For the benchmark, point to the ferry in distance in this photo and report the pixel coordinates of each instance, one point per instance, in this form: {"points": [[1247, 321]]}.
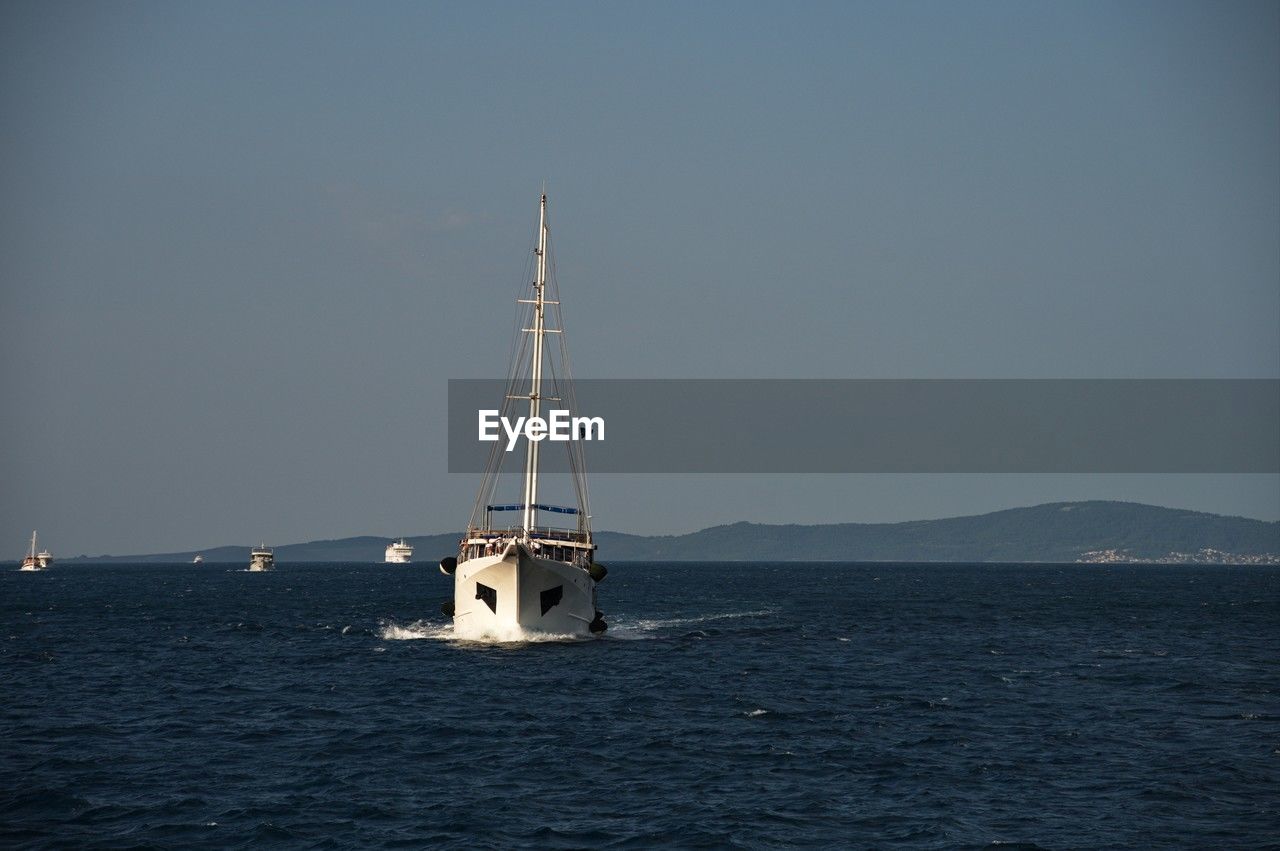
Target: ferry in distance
{"points": [[399, 551], [261, 558]]}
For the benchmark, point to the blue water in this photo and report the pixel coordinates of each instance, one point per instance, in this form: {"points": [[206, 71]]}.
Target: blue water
{"points": [[752, 706]]}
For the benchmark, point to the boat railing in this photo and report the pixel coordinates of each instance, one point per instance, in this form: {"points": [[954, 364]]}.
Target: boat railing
{"points": [[551, 533]]}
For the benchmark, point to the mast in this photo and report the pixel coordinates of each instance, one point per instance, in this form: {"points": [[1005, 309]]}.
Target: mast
{"points": [[33, 543], [535, 386]]}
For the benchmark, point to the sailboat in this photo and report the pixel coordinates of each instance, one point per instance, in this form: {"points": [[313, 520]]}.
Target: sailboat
{"points": [[36, 560], [515, 581]]}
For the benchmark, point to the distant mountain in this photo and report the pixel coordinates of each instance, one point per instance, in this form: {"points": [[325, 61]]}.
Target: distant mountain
{"points": [[1056, 532]]}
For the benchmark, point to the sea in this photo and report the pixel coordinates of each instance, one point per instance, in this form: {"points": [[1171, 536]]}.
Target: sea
{"points": [[728, 706]]}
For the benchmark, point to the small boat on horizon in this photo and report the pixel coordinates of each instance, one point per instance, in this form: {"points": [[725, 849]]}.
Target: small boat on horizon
{"points": [[399, 551], [261, 558], [199, 559], [36, 560]]}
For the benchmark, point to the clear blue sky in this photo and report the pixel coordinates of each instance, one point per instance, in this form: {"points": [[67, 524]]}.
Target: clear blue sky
{"points": [[244, 245]]}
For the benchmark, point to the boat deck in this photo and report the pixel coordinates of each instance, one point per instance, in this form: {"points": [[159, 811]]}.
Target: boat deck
{"points": [[571, 546]]}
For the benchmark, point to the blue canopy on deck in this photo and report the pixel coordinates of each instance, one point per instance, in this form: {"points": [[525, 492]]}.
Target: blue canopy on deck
{"points": [[556, 508]]}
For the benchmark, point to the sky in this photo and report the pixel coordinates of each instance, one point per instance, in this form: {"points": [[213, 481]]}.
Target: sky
{"points": [[243, 246]]}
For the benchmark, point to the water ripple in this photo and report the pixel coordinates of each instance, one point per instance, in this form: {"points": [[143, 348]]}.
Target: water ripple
{"points": [[735, 706]]}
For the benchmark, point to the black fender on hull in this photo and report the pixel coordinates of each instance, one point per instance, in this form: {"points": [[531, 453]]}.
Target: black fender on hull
{"points": [[448, 565], [598, 571], [598, 625], [446, 608]]}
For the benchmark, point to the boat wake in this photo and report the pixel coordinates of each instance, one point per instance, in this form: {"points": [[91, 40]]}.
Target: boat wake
{"points": [[392, 631], [621, 629], [654, 626]]}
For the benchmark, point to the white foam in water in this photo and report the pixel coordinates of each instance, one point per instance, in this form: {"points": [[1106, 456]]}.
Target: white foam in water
{"points": [[445, 632], [640, 629], [646, 627], [418, 629]]}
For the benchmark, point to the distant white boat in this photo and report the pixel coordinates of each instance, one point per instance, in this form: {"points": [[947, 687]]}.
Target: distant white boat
{"points": [[36, 560], [261, 558], [199, 559], [399, 552]]}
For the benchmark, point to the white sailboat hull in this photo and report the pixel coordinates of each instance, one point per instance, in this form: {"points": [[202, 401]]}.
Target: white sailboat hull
{"points": [[515, 596]]}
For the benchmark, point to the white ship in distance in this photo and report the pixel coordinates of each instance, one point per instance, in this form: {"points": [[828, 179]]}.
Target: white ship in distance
{"points": [[536, 575], [261, 558], [36, 560], [399, 551]]}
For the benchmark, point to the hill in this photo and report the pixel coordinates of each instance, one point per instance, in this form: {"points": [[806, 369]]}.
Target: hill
{"points": [[1055, 532]]}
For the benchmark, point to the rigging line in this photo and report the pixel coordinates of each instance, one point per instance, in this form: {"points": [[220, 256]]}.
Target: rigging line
{"points": [[575, 450], [561, 380], [493, 469], [527, 275], [518, 341], [577, 453], [493, 464], [516, 337], [564, 388], [497, 455]]}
